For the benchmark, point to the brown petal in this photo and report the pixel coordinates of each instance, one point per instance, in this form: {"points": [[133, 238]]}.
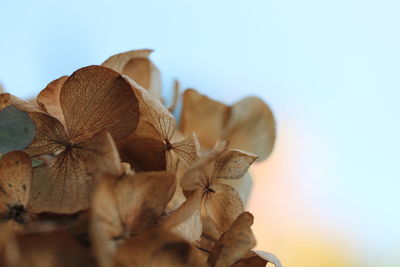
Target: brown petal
{"points": [[64, 183], [165, 124], [184, 151], [156, 125], [210, 234], [193, 179], [233, 164], [251, 127], [137, 66], [97, 98], [186, 220], [172, 161], [258, 259], [144, 154], [49, 99], [143, 149], [61, 185], [49, 137], [153, 112], [106, 227], [187, 150], [150, 107], [15, 183], [157, 247], [203, 116], [248, 125], [222, 206], [234, 243], [100, 156], [142, 198], [179, 197], [201, 171]]}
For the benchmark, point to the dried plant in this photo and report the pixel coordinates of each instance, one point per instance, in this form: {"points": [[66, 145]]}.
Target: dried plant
{"points": [[96, 172]]}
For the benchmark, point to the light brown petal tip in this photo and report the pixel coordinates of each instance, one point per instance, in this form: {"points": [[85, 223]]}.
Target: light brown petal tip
{"points": [[49, 99], [203, 116], [251, 127], [233, 164], [137, 65]]}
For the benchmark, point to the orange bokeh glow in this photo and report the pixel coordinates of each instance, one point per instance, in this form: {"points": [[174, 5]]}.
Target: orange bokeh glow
{"points": [[283, 223]]}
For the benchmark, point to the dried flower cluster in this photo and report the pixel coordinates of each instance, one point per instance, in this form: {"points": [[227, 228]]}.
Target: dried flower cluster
{"points": [[96, 172]]}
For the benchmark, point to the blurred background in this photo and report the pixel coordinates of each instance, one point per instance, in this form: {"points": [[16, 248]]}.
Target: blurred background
{"points": [[329, 194]]}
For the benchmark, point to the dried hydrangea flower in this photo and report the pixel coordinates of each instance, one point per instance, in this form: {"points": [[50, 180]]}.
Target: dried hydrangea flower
{"points": [[156, 145], [222, 204], [126, 206], [93, 99], [177, 206], [248, 125], [136, 65], [183, 150]]}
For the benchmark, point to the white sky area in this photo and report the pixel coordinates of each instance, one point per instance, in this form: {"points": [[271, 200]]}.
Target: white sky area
{"points": [[330, 70]]}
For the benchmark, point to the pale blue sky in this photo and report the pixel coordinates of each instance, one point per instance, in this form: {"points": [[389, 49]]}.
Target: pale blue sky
{"points": [[329, 68]]}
